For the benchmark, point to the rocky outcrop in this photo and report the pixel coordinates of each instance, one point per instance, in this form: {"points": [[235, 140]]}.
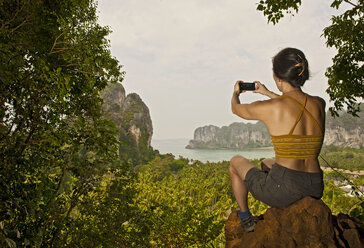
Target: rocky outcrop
{"points": [[345, 130], [136, 117], [307, 223], [234, 136], [132, 118], [339, 136]]}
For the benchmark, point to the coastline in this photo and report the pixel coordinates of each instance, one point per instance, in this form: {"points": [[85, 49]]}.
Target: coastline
{"points": [[230, 149], [177, 148]]}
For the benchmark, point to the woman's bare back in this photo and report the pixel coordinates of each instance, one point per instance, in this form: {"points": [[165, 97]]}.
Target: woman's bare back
{"points": [[283, 113]]}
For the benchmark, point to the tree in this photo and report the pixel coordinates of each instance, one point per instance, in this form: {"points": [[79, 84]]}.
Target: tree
{"points": [[55, 146], [346, 34]]}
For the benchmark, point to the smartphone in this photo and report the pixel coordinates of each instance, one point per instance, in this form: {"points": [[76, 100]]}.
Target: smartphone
{"points": [[247, 86]]}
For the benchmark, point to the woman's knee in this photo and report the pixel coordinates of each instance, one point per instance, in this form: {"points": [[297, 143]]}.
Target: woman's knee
{"points": [[236, 162], [233, 163], [237, 159]]}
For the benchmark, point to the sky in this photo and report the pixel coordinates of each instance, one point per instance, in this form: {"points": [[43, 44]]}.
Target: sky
{"points": [[184, 57]]}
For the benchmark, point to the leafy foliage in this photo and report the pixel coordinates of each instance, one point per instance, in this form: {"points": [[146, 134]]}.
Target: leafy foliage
{"points": [[188, 207], [274, 10], [344, 158], [185, 207], [346, 34], [55, 145], [346, 75]]}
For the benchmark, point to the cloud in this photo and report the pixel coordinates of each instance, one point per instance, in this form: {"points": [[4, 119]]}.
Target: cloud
{"points": [[183, 57]]}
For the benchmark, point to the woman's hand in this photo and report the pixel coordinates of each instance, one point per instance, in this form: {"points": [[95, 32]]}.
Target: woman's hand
{"points": [[260, 88], [237, 88]]}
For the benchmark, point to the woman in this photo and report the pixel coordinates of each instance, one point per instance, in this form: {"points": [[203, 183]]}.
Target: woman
{"points": [[296, 123]]}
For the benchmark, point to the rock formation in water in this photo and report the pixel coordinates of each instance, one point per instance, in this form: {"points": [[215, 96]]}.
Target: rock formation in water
{"points": [[234, 136], [345, 130], [132, 118], [306, 223]]}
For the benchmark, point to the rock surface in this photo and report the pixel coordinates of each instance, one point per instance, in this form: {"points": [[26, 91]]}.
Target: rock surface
{"points": [[307, 223]]}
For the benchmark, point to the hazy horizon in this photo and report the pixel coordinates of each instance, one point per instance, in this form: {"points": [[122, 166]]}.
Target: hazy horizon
{"points": [[183, 57]]}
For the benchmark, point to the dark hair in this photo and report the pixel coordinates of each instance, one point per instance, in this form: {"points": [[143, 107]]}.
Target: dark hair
{"points": [[291, 65]]}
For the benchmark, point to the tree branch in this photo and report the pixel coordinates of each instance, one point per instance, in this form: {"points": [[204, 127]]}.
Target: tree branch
{"points": [[347, 1], [21, 24], [12, 19], [55, 42], [84, 72], [25, 144], [58, 50]]}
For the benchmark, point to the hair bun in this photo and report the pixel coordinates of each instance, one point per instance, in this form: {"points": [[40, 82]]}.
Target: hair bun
{"points": [[291, 65]]}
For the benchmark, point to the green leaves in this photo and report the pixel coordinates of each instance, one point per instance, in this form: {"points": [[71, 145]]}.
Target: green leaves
{"points": [[346, 75], [184, 208], [357, 211], [187, 207], [55, 145], [336, 3], [275, 10]]}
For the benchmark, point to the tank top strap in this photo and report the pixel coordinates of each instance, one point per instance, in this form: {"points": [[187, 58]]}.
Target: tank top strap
{"points": [[314, 121], [303, 109], [300, 114]]}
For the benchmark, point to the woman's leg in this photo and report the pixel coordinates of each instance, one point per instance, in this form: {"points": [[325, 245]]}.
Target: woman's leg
{"points": [[239, 166]]}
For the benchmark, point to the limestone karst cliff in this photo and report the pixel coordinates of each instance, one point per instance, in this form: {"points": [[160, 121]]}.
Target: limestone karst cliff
{"points": [[234, 136], [345, 130], [132, 118]]}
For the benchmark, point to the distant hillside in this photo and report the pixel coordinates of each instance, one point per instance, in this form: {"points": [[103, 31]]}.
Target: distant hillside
{"points": [[345, 130]]}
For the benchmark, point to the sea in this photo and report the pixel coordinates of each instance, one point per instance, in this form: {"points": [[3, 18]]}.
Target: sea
{"points": [[177, 148]]}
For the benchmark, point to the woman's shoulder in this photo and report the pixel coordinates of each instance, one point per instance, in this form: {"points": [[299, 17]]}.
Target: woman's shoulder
{"points": [[272, 102], [317, 100]]}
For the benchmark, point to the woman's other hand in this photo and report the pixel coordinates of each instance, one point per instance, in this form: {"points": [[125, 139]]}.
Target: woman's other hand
{"points": [[237, 88], [260, 88]]}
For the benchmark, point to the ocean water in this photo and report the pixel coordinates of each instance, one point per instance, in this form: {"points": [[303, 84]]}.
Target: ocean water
{"points": [[177, 148]]}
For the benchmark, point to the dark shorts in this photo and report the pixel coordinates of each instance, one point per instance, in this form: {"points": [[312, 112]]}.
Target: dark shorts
{"points": [[281, 186]]}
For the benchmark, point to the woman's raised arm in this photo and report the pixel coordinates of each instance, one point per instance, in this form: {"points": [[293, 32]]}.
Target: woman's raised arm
{"points": [[258, 110]]}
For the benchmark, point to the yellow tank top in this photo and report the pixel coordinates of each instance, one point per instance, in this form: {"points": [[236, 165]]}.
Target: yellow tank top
{"points": [[298, 146]]}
